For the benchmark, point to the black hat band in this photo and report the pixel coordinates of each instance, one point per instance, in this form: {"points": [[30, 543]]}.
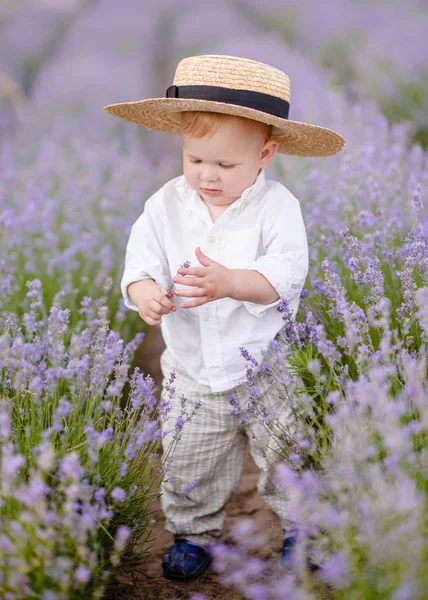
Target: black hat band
{"points": [[249, 99]]}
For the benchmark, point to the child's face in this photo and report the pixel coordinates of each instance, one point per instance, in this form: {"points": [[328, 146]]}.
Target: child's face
{"points": [[228, 161]]}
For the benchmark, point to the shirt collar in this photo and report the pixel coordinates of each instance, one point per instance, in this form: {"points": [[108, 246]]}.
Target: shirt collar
{"points": [[189, 194]]}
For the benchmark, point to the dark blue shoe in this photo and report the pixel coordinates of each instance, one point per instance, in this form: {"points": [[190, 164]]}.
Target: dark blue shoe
{"points": [[288, 548], [184, 561]]}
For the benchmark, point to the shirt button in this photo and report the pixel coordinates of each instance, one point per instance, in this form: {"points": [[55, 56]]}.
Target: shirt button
{"points": [[211, 239], [207, 319]]}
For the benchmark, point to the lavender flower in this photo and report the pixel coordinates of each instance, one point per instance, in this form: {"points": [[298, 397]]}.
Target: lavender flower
{"points": [[354, 375]]}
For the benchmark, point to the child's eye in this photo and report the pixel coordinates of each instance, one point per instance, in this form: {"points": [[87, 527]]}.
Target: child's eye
{"points": [[222, 166]]}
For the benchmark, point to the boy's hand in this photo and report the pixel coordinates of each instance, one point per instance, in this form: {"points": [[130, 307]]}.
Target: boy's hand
{"points": [[152, 301], [152, 308], [210, 282]]}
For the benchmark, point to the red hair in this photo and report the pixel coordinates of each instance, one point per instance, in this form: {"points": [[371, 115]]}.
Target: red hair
{"points": [[201, 123]]}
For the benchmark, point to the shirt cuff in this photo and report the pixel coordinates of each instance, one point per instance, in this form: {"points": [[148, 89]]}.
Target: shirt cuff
{"points": [[257, 310], [269, 267]]}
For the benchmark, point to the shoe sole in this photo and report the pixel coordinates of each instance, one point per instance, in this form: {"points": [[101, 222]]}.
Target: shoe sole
{"points": [[176, 577]]}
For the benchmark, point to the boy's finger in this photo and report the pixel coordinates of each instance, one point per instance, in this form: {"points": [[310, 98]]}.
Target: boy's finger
{"points": [[197, 271], [167, 293], [157, 308], [151, 320], [192, 292], [164, 301], [195, 303], [192, 281]]}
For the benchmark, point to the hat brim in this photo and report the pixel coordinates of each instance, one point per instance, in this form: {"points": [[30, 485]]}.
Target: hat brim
{"points": [[294, 137]]}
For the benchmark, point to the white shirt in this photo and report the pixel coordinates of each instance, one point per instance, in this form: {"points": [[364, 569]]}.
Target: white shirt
{"points": [[263, 230]]}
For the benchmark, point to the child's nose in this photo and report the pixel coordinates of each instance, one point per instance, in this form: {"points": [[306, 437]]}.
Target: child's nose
{"points": [[208, 174]]}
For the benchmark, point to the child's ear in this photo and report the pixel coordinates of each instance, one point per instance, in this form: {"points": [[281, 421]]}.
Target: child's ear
{"points": [[269, 150]]}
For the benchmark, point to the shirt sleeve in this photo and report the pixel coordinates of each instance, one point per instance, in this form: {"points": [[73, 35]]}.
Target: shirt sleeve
{"points": [[145, 256], [285, 262]]}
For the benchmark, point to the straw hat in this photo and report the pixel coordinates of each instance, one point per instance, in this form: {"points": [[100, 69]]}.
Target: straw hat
{"points": [[234, 86]]}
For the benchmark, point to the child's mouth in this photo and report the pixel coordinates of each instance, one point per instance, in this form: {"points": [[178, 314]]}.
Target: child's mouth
{"points": [[211, 192]]}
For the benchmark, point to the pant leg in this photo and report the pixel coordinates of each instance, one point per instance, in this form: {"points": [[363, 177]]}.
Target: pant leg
{"points": [[265, 447], [209, 454]]}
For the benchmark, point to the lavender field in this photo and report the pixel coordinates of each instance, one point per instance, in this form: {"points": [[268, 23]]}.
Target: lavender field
{"points": [[80, 422]]}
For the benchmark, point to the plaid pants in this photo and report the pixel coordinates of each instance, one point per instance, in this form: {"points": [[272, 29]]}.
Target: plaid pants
{"points": [[209, 456]]}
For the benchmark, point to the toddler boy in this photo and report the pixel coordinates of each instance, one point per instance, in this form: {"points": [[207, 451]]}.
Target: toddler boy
{"points": [[208, 260]]}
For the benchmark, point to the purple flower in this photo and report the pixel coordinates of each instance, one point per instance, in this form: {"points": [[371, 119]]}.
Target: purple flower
{"points": [[247, 356], [235, 410], [82, 574], [243, 418], [258, 591], [122, 536], [336, 570], [189, 487], [118, 494]]}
